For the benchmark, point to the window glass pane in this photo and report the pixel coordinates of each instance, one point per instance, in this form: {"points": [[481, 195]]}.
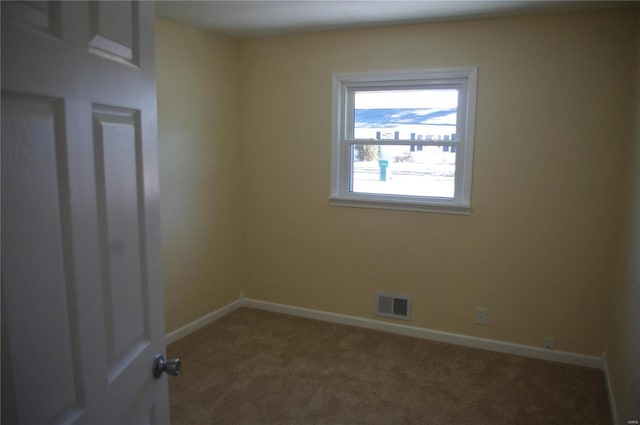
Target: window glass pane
{"points": [[427, 114], [399, 170]]}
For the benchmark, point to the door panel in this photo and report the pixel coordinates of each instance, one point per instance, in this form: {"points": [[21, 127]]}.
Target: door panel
{"points": [[116, 147], [43, 15], [112, 29], [33, 167]]}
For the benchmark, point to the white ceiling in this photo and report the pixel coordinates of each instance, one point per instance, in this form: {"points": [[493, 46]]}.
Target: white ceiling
{"points": [[241, 18]]}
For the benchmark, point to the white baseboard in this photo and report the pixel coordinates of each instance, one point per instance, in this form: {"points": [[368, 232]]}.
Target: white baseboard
{"points": [[609, 387], [433, 335], [175, 335], [395, 328]]}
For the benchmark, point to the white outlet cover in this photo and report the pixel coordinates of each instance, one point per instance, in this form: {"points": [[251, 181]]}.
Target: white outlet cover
{"points": [[481, 315]]}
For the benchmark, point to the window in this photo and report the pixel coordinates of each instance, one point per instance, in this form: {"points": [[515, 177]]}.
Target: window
{"points": [[403, 140]]}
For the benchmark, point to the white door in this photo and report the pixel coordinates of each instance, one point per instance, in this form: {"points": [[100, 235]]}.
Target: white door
{"points": [[82, 312]]}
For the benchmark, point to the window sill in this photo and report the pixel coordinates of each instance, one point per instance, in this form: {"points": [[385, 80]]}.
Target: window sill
{"points": [[393, 203]]}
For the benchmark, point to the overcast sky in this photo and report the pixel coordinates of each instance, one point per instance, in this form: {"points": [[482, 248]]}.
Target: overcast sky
{"points": [[406, 99]]}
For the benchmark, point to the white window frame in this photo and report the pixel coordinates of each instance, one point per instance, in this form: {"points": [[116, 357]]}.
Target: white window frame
{"points": [[344, 87]]}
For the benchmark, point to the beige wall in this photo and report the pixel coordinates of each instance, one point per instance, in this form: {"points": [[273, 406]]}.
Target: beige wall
{"points": [[631, 404], [623, 347], [244, 149], [542, 246], [199, 170]]}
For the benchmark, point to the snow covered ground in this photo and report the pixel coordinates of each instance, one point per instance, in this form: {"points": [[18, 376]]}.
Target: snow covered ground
{"points": [[427, 173]]}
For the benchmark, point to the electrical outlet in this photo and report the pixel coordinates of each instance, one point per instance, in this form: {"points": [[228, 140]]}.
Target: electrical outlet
{"points": [[549, 343], [481, 315]]}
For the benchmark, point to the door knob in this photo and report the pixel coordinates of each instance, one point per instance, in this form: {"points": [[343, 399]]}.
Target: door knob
{"points": [[171, 366]]}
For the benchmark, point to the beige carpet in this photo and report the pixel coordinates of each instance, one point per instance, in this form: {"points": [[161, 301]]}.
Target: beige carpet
{"points": [[257, 367]]}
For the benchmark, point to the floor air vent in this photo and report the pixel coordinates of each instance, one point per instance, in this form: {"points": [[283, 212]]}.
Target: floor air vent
{"points": [[393, 305]]}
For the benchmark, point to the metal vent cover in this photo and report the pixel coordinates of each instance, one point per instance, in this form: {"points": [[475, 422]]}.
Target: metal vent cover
{"points": [[397, 306]]}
